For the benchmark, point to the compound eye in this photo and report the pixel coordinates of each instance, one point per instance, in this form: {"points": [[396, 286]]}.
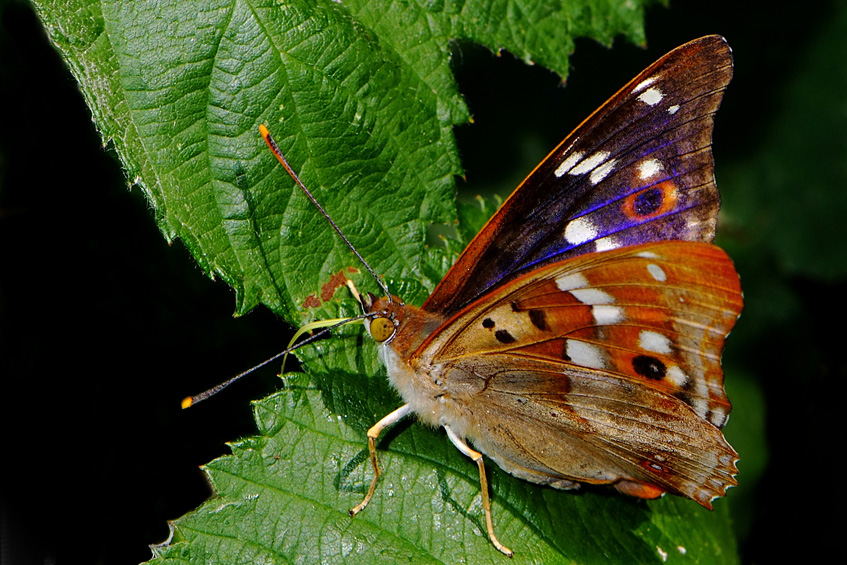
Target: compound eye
{"points": [[382, 329]]}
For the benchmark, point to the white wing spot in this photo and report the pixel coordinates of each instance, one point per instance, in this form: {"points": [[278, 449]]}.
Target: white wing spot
{"points": [[673, 109], [569, 163], [572, 281], [585, 354], [589, 163], [676, 376], [647, 255], [718, 417], [645, 83], [701, 407], [657, 273], [602, 171], [651, 96], [606, 243], [580, 230], [592, 296], [606, 315], [649, 168], [572, 143], [652, 341]]}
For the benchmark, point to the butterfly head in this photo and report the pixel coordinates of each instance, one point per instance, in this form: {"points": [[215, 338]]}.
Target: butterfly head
{"points": [[402, 327], [384, 316], [382, 328]]}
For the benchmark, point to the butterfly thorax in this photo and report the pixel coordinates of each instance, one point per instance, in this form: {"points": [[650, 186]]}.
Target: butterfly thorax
{"points": [[399, 330]]}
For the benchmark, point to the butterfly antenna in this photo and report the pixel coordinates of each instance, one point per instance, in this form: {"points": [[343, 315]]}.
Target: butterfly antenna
{"points": [[281, 158], [192, 400]]}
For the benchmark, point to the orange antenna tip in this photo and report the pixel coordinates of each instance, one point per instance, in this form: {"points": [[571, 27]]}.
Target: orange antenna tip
{"points": [[187, 402]]}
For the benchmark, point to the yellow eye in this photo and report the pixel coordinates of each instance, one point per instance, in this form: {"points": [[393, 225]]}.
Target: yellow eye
{"points": [[382, 329]]}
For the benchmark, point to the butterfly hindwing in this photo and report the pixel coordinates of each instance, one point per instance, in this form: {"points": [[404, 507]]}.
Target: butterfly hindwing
{"points": [[645, 445], [616, 354], [639, 169]]}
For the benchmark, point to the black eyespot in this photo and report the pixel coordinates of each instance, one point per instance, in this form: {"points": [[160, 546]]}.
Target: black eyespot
{"points": [[538, 319], [504, 337], [649, 367], [648, 202], [488, 323]]}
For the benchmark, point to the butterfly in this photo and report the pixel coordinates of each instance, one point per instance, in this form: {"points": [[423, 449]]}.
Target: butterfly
{"points": [[578, 337]]}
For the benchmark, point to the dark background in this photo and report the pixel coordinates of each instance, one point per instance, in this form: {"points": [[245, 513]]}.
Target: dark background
{"points": [[102, 335]]}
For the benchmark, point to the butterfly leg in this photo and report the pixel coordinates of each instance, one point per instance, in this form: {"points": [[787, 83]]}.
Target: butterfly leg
{"points": [[373, 434], [476, 457]]}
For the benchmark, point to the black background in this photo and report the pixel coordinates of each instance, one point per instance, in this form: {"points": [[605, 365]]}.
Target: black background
{"points": [[101, 337]]}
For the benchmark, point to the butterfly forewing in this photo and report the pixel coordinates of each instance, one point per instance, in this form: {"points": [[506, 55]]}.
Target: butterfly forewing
{"points": [[639, 169], [656, 313]]}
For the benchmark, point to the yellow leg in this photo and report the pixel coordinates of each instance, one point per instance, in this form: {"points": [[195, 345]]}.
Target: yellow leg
{"points": [[476, 457], [373, 434]]}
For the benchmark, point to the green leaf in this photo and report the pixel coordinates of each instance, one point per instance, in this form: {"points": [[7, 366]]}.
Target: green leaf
{"points": [[360, 97], [473, 215], [362, 101]]}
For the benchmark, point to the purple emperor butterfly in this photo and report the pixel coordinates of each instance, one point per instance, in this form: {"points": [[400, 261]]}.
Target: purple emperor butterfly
{"points": [[578, 337]]}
